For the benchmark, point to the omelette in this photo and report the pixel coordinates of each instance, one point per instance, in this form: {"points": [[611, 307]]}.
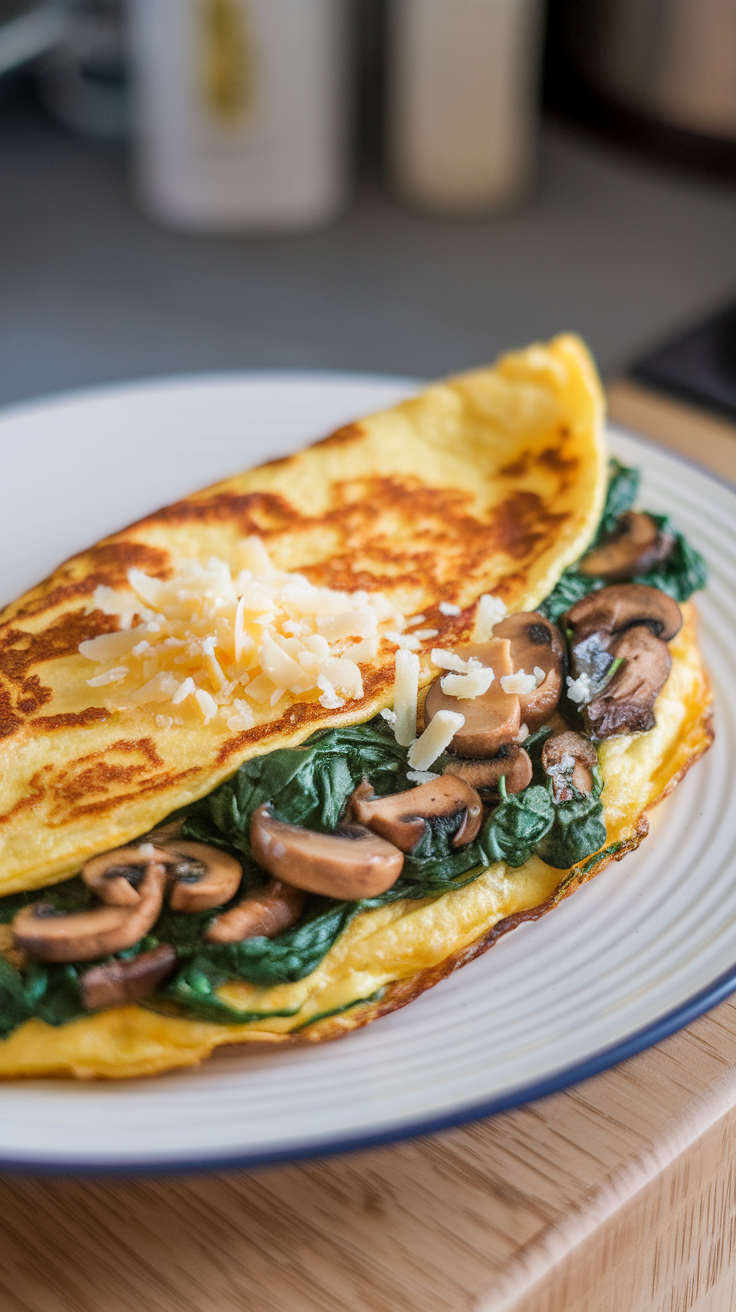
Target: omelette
{"points": [[282, 755]]}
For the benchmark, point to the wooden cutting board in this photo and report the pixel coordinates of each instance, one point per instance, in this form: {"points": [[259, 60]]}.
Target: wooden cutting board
{"points": [[616, 1196]]}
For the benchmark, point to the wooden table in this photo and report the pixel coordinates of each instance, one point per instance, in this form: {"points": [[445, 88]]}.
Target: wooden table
{"points": [[616, 1196]]}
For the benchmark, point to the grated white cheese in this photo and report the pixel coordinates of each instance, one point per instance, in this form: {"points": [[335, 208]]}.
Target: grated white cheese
{"points": [[436, 738], [449, 660], [539, 675], [406, 694], [579, 690], [489, 612], [565, 765], [519, 683], [261, 633], [329, 698], [389, 717], [425, 634], [449, 608], [422, 776], [523, 734], [110, 676], [406, 640], [466, 686]]}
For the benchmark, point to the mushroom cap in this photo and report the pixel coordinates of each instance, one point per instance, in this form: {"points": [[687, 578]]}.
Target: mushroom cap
{"points": [[635, 546], [202, 876], [264, 914], [206, 877], [535, 641], [582, 753], [626, 704], [512, 763], [402, 818], [115, 875], [118, 982], [493, 718], [621, 606], [97, 932], [353, 863]]}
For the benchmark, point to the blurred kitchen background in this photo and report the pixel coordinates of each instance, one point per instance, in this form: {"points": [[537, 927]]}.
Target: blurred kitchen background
{"points": [[397, 186]]}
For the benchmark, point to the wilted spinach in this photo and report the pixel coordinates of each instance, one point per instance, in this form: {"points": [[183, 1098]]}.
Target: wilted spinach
{"points": [[680, 574]]}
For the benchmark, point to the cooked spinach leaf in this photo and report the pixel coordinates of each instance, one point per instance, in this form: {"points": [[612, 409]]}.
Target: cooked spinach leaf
{"points": [[623, 485], [577, 830], [680, 574]]}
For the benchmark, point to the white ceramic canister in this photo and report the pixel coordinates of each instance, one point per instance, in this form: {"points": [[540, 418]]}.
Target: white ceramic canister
{"points": [[241, 112], [463, 94]]}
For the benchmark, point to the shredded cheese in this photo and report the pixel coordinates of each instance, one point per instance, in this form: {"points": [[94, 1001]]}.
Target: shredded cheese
{"points": [[519, 682], [466, 686], [406, 694], [489, 612], [205, 639], [436, 738], [579, 690], [449, 660]]}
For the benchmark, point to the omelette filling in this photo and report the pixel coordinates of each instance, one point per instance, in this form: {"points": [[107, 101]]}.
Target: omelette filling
{"points": [[258, 881]]}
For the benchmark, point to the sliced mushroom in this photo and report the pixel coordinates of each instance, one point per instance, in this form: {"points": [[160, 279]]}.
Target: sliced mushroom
{"points": [[115, 876], [202, 876], [264, 914], [569, 758], [118, 982], [623, 605], [493, 718], [632, 623], [403, 818], [635, 546], [626, 704], [352, 864], [535, 643], [205, 876], [83, 935], [512, 763]]}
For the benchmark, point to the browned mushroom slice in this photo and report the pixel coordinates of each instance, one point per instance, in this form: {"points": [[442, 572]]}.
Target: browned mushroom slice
{"points": [[205, 876], [264, 914], [536, 643], [115, 875], [626, 704], [118, 982], [611, 610], [512, 763], [635, 546], [352, 864], [491, 719], [84, 935], [403, 818], [202, 876], [569, 758]]}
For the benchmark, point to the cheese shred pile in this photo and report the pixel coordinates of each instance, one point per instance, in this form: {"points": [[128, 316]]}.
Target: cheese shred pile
{"points": [[206, 642]]}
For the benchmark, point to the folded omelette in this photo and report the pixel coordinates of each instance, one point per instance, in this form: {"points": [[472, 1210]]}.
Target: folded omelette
{"points": [[244, 672]]}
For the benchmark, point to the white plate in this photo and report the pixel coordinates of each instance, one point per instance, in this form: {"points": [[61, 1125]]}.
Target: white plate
{"points": [[632, 956]]}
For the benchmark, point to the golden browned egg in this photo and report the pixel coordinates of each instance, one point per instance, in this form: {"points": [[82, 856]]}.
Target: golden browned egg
{"points": [[488, 483]]}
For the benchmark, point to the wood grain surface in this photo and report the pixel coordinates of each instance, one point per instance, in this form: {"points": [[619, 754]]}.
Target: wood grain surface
{"points": [[616, 1196]]}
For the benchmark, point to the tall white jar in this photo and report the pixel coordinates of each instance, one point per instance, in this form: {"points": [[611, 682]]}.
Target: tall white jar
{"points": [[463, 95], [241, 112]]}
